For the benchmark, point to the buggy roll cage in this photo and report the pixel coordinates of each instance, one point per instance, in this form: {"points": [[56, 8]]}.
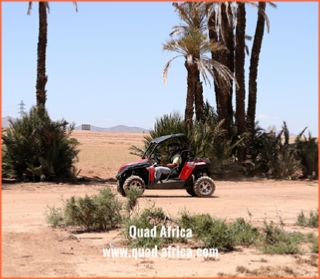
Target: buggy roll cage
{"points": [[184, 141]]}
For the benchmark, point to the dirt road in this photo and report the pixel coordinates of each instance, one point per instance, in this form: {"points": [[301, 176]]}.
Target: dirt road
{"points": [[31, 248]]}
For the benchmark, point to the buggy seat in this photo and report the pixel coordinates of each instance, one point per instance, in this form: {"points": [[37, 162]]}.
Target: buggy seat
{"points": [[175, 172]]}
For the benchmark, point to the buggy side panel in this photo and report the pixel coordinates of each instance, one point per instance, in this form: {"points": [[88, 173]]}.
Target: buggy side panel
{"points": [[197, 166], [151, 171], [187, 170]]}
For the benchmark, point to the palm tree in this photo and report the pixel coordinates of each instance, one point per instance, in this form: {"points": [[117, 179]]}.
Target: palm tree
{"points": [[193, 44], [239, 71], [254, 64], [221, 20], [42, 78]]}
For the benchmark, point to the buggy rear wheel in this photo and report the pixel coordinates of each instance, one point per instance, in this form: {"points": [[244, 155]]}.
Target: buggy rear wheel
{"points": [[134, 181], [204, 186]]}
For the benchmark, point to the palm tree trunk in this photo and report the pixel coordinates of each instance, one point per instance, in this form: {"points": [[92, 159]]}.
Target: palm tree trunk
{"points": [[253, 74], [228, 59], [214, 37], [222, 91], [198, 100], [191, 89], [41, 63], [240, 60], [231, 57]]}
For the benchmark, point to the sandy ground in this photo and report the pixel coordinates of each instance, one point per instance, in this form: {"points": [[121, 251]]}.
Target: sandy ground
{"points": [[31, 248]]}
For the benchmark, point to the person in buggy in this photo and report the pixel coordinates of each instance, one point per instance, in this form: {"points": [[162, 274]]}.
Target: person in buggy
{"points": [[175, 161]]}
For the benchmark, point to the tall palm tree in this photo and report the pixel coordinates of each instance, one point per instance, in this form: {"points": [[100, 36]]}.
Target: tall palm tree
{"points": [[221, 20], [193, 44], [193, 17], [254, 64], [42, 78], [240, 74], [41, 60]]}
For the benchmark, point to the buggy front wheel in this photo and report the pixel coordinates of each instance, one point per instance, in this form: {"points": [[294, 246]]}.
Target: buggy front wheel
{"points": [[204, 186], [134, 181]]}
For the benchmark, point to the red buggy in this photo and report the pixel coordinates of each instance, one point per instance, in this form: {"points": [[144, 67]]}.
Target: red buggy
{"points": [[192, 175]]}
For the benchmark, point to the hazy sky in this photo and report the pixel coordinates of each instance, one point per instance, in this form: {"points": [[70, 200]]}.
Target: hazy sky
{"points": [[105, 62]]}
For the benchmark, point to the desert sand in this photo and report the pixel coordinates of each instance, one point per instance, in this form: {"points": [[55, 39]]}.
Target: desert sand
{"points": [[31, 248]]}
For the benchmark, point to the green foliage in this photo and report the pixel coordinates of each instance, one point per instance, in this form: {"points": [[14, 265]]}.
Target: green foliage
{"points": [[132, 200], [207, 138], [92, 213], [104, 211], [55, 216], [312, 221], [217, 233], [38, 149], [275, 240], [198, 223], [307, 153], [244, 233], [98, 212], [314, 245], [166, 125], [150, 218], [209, 232], [274, 155]]}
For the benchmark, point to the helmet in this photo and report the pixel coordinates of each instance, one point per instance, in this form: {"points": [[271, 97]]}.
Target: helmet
{"points": [[173, 147]]}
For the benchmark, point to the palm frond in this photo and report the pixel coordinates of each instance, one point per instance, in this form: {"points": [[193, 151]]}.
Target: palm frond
{"points": [[223, 72], [29, 8], [75, 5], [166, 69]]}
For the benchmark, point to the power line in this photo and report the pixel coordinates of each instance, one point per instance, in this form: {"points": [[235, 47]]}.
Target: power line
{"points": [[21, 106]]}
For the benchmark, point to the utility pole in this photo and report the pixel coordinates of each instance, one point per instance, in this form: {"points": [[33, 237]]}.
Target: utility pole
{"points": [[21, 105]]}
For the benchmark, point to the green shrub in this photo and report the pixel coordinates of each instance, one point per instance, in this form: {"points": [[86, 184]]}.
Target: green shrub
{"points": [[311, 221], [208, 138], [275, 240], [92, 213], [314, 245], [105, 211], [55, 216], [274, 155], [132, 200], [243, 232], [166, 125], [307, 152], [151, 218], [209, 232], [38, 149], [98, 212]]}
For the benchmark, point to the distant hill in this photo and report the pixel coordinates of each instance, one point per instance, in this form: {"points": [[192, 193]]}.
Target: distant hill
{"points": [[117, 129], [5, 121], [290, 134]]}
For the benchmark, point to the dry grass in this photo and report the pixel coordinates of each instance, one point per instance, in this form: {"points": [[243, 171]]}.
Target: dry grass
{"points": [[101, 154]]}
